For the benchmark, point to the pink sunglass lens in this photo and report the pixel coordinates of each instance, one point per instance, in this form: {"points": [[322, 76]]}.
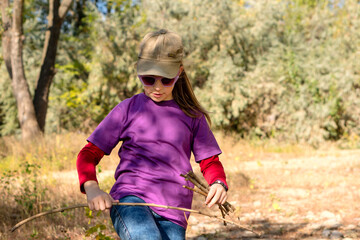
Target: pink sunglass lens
{"points": [[167, 81], [148, 80]]}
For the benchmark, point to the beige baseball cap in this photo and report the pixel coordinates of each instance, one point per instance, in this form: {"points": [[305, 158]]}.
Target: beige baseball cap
{"points": [[161, 54]]}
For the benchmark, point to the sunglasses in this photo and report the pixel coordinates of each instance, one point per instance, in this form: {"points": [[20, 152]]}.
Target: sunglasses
{"points": [[150, 80]]}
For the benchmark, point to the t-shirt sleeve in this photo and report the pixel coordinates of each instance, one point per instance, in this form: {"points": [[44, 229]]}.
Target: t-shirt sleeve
{"points": [[204, 143], [107, 134]]}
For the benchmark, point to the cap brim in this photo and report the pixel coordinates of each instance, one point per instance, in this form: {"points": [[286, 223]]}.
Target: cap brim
{"points": [[158, 68]]}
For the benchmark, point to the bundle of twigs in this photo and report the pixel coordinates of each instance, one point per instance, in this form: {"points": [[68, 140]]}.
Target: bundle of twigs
{"points": [[203, 189]]}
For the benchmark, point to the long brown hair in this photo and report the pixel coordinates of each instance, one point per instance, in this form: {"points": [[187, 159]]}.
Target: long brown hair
{"points": [[184, 96]]}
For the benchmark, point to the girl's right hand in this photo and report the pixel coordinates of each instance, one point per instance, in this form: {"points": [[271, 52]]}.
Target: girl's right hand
{"points": [[97, 199]]}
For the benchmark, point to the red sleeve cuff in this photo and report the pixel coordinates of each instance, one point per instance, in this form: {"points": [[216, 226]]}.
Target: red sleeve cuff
{"points": [[213, 170], [87, 159]]}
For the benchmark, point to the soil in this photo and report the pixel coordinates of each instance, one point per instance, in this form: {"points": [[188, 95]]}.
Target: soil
{"points": [[312, 196]]}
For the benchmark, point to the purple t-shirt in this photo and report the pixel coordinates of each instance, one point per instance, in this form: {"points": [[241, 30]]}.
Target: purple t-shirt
{"points": [[158, 139]]}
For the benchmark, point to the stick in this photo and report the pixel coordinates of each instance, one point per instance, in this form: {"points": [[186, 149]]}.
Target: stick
{"points": [[46, 213], [197, 179], [195, 190], [128, 204], [195, 182], [223, 211], [229, 207]]}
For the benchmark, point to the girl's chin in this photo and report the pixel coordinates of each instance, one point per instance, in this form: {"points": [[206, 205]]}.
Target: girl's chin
{"points": [[156, 99]]}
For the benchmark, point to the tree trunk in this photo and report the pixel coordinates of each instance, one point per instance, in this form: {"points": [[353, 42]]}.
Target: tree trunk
{"points": [[55, 19], [6, 36], [79, 16], [26, 112]]}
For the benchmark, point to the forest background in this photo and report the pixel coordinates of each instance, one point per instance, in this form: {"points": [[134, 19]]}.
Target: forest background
{"points": [[269, 69], [280, 70]]}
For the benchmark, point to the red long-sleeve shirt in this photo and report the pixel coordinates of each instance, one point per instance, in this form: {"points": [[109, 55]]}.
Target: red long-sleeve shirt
{"points": [[90, 156]]}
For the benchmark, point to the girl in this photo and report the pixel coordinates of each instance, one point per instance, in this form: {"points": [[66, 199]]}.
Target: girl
{"points": [[159, 129]]}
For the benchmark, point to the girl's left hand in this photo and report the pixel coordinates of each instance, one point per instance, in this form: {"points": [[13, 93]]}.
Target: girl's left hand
{"points": [[217, 194]]}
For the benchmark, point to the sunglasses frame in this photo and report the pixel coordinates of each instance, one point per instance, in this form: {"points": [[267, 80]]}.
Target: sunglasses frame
{"points": [[158, 77]]}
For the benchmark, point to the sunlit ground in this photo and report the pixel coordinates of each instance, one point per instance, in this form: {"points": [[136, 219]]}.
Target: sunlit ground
{"points": [[281, 190]]}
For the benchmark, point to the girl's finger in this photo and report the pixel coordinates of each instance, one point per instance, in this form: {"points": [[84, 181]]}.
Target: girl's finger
{"points": [[223, 198], [91, 205], [108, 202], [102, 204], [210, 196], [214, 199]]}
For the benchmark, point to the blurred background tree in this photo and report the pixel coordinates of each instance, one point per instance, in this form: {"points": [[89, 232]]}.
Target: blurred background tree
{"points": [[31, 112], [265, 69]]}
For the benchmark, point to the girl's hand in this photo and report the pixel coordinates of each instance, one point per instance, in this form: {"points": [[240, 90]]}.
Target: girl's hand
{"points": [[217, 194], [97, 199]]}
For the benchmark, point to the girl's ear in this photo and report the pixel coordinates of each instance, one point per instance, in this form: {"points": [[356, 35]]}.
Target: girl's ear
{"points": [[181, 69]]}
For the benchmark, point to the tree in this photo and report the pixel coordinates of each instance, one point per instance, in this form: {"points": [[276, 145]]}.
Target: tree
{"points": [[56, 17], [6, 36], [31, 113]]}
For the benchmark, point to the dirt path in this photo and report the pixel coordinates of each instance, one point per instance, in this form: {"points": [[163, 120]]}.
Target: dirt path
{"points": [[312, 197]]}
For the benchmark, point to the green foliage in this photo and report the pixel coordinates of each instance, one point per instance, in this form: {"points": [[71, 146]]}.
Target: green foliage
{"points": [[96, 231], [31, 193], [24, 187], [32, 53], [274, 69], [96, 69], [8, 111]]}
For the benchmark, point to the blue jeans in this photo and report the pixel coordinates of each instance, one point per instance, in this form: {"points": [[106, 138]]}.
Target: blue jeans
{"points": [[140, 222]]}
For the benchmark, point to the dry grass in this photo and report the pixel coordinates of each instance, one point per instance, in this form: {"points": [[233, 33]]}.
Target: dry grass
{"points": [[287, 192], [52, 184], [280, 189]]}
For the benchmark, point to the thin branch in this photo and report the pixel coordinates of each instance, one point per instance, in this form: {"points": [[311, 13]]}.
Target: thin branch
{"points": [[129, 204], [222, 212], [46, 213], [198, 180], [221, 207], [195, 182], [195, 190]]}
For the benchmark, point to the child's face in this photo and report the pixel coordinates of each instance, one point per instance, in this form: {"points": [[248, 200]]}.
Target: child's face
{"points": [[158, 92]]}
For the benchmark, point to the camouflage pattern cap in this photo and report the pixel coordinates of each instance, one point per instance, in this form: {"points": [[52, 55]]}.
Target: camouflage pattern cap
{"points": [[161, 54]]}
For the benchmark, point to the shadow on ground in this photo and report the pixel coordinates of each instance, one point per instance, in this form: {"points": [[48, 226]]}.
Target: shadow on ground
{"points": [[269, 230]]}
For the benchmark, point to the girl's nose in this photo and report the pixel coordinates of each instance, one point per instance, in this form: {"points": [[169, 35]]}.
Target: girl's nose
{"points": [[158, 83]]}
